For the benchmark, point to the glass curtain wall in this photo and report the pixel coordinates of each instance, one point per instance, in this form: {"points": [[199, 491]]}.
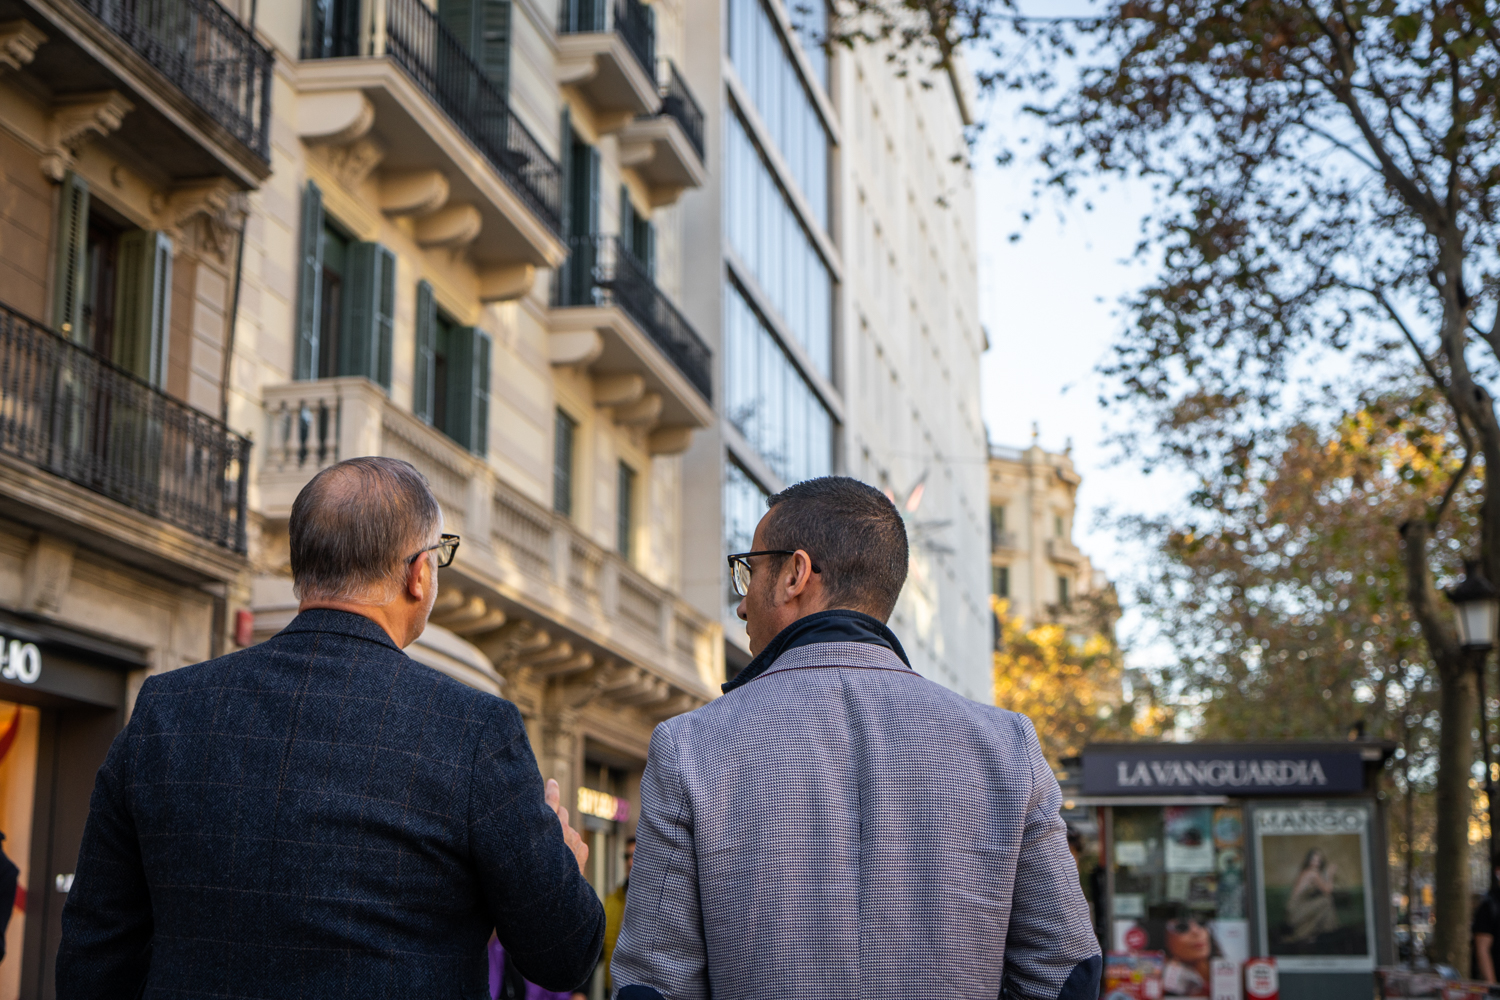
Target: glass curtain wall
{"points": [[766, 69], [768, 237], [768, 401]]}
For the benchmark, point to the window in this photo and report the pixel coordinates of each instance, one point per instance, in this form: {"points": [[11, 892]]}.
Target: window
{"points": [[346, 298], [1062, 590], [637, 234], [765, 67], [1057, 526], [768, 237], [768, 401], [625, 513], [1000, 581], [997, 525], [451, 384], [564, 428], [482, 30], [114, 285], [744, 504]]}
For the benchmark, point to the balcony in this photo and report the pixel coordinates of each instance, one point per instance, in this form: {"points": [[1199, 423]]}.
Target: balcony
{"points": [[1002, 541], [394, 90], [1061, 550], [528, 587], [609, 316], [195, 81], [94, 449], [666, 149], [606, 49]]}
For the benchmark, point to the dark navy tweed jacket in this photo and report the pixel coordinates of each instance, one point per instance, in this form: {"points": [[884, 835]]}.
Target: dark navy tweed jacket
{"points": [[320, 816]]}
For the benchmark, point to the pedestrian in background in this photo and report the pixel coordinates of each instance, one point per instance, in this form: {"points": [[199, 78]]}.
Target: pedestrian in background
{"points": [[1486, 929], [320, 815], [837, 826]]}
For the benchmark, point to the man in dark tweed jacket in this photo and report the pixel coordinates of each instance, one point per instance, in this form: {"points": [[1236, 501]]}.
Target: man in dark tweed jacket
{"points": [[836, 826], [320, 816]]}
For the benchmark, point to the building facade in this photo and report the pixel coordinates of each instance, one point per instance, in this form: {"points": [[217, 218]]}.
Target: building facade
{"points": [[123, 523], [606, 284], [842, 204], [1034, 565]]}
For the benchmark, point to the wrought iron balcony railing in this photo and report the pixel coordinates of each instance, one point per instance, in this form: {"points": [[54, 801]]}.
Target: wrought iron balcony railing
{"points": [[74, 415], [678, 102], [601, 271], [633, 22], [409, 32], [206, 53]]}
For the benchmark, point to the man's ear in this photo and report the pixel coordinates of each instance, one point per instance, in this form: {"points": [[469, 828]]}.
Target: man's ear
{"points": [[800, 575], [419, 577]]}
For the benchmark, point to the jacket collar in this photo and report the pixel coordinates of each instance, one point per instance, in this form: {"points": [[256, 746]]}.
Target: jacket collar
{"points": [[835, 627], [340, 623]]}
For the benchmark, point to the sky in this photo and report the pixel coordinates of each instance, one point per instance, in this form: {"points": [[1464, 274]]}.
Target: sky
{"points": [[1050, 305]]}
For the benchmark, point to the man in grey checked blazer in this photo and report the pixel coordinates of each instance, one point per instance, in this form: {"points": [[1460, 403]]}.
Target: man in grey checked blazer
{"points": [[320, 816], [836, 826]]}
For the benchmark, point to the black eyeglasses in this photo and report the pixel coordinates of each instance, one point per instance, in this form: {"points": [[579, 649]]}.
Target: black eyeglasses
{"points": [[447, 546], [739, 567]]}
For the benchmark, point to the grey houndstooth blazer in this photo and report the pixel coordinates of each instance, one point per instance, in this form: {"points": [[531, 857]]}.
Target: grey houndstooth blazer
{"points": [[842, 828]]}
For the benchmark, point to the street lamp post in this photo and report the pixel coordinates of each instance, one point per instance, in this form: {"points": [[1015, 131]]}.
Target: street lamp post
{"points": [[1478, 606]]}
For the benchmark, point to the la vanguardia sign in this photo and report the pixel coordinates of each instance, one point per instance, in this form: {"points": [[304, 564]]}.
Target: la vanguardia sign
{"points": [[1261, 771]]}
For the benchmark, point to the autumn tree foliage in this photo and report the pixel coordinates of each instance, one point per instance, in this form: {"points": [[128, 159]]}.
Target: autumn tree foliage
{"points": [[1068, 677]]}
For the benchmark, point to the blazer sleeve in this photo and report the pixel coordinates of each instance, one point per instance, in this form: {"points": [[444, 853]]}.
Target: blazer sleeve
{"points": [[107, 923], [661, 952], [546, 914], [1051, 952]]}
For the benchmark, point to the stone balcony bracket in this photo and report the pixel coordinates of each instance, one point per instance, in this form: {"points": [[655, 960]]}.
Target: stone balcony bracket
{"points": [[600, 67], [659, 152], [528, 589], [617, 353], [369, 119]]}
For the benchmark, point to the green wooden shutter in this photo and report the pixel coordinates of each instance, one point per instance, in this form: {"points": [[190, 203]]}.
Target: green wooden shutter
{"points": [[143, 301], [565, 160], [459, 420], [310, 285], [72, 242], [423, 391], [385, 315], [494, 51], [479, 411], [370, 292], [593, 190]]}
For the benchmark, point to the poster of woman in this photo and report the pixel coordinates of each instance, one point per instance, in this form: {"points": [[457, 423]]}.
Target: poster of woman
{"points": [[1314, 893]]}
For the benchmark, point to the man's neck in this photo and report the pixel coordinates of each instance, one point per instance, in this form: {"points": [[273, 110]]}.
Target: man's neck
{"points": [[383, 615]]}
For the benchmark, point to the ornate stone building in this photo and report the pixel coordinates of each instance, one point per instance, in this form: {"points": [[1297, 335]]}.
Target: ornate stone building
{"points": [[1034, 564]]}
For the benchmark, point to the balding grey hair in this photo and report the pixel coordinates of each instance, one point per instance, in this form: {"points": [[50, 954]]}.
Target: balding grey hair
{"points": [[353, 527]]}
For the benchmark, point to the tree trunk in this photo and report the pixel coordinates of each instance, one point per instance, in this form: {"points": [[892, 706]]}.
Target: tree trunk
{"points": [[1455, 803], [1455, 799]]}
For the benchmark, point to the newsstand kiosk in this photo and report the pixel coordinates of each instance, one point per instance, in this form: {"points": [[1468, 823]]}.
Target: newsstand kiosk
{"points": [[1238, 850]]}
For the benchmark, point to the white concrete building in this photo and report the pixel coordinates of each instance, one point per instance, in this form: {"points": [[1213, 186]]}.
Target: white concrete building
{"points": [[842, 201]]}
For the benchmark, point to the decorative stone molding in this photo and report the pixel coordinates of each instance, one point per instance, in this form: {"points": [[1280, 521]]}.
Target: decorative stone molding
{"points": [[413, 192], [352, 164], [77, 119], [669, 440], [618, 390], [504, 284], [204, 216], [453, 227], [642, 413], [46, 574], [576, 347], [19, 41]]}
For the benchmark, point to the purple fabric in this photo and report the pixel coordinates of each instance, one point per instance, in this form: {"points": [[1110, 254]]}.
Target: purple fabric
{"points": [[497, 969]]}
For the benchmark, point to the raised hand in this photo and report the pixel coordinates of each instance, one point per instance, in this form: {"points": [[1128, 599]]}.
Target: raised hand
{"points": [[570, 836]]}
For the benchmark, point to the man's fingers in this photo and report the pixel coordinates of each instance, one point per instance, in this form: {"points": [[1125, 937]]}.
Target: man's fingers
{"points": [[562, 816], [553, 795]]}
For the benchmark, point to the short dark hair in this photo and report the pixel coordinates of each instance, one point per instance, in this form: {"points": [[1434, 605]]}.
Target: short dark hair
{"points": [[854, 534], [354, 524]]}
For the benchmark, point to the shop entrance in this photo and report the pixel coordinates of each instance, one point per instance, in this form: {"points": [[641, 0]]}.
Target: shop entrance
{"points": [[62, 700]]}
